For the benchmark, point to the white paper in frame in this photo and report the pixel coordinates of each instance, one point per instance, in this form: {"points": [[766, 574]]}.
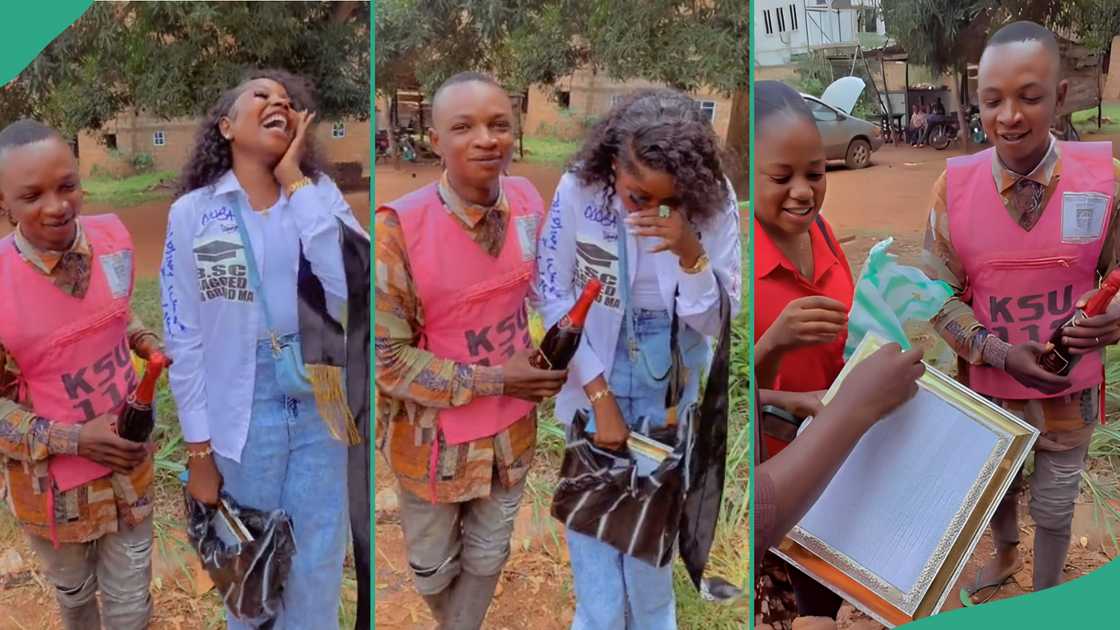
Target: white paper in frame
{"points": [[895, 519]]}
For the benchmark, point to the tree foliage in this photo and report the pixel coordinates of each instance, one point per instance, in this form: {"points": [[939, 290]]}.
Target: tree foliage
{"points": [[944, 34], [687, 44], [174, 59], [682, 43]]}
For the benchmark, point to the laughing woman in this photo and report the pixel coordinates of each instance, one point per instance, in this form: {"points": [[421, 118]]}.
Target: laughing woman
{"points": [[647, 210], [255, 201]]}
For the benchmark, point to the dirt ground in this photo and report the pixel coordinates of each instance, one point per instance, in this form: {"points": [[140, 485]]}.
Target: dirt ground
{"points": [[892, 198]]}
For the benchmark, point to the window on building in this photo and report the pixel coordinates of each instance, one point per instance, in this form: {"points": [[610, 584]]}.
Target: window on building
{"points": [[781, 20], [793, 17], [868, 20], [709, 109], [564, 99], [159, 138], [110, 141], [616, 99], [338, 129], [768, 21]]}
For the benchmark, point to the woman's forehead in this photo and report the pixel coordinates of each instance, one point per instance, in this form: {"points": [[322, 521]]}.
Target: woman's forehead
{"points": [[262, 83]]}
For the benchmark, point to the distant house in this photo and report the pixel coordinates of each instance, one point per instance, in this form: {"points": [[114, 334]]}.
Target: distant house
{"points": [[564, 110], [169, 142]]}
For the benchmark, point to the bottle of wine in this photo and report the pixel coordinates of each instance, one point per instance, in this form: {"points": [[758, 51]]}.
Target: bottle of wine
{"points": [[561, 341], [1058, 360], [138, 418]]}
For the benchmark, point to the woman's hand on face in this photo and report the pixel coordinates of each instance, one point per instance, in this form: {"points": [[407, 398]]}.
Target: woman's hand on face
{"points": [[674, 231], [288, 171]]}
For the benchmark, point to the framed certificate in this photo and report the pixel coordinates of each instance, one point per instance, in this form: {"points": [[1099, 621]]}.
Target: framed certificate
{"points": [[894, 528]]}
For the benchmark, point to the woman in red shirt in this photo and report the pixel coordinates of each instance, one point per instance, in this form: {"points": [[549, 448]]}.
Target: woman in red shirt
{"points": [[803, 284]]}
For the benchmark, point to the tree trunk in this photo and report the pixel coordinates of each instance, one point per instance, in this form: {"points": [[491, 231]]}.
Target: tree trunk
{"points": [[962, 99], [738, 144]]}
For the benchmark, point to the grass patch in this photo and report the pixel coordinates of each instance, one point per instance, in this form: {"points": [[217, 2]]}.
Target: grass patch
{"points": [[127, 191], [1086, 121], [549, 151]]}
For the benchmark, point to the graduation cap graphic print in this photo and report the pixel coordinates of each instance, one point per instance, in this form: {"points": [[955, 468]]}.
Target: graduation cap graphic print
{"points": [[217, 251], [595, 255]]}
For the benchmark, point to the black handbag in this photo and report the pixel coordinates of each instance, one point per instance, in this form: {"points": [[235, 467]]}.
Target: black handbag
{"points": [[602, 494]]}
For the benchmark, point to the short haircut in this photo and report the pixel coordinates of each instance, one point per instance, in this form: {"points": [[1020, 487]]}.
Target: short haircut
{"points": [[23, 132], [462, 77], [775, 97], [1026, 31]]}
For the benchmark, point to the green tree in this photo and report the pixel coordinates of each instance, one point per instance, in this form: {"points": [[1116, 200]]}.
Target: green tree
{"points": [[174, 59], [681, 43], [947, 35]]}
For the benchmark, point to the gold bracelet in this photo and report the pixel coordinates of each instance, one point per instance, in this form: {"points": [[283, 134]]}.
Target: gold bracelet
{"points": [[296, 185], [199, 454], [700, 265], [599, 395]]}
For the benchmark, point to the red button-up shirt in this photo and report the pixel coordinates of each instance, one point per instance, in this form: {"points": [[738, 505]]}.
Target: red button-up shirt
{"points": [[778, 282]]}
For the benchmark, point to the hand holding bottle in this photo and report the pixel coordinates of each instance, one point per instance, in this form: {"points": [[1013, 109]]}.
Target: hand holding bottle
{"points": [[1094, 332], [521, 380]]}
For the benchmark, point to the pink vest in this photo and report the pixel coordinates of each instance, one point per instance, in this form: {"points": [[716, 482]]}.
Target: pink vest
{"points": [[73, 354], [1021, 284], [474, 303]]}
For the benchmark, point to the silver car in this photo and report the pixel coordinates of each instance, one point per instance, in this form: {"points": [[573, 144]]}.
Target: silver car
{"points": [[845, 137]]}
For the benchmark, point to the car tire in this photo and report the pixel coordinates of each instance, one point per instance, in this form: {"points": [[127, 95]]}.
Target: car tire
{"points": [[859, 154]]}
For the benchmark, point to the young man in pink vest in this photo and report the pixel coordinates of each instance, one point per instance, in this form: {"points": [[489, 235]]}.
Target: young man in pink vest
{"points": [[1023, 232], [80, 492], [457, 397]]}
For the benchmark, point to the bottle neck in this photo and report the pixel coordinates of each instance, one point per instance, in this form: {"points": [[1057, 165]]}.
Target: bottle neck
{"points": [[146, 391], [578, 315], [1101, 299]]}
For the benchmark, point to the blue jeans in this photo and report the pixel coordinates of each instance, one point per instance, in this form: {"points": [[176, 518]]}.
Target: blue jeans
{"points": [[615, 591], [291, 462]]}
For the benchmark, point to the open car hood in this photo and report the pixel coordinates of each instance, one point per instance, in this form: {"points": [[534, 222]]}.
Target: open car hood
{"points": [[843, 93]]}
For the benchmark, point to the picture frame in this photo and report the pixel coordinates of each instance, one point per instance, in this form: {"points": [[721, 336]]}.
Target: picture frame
{"points": [[894, 528]]}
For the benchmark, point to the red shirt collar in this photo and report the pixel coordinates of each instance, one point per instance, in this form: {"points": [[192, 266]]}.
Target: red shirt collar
{"points": [[769, 259]]}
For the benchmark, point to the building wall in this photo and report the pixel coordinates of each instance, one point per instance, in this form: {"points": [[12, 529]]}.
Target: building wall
{"points": [[590, 96], [136, 134], [795, 27]]}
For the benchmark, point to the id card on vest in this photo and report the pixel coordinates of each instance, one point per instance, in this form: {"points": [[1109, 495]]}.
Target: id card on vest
{"points": [[221, 261], [527, 236], [1083, 215], [118, 272]]}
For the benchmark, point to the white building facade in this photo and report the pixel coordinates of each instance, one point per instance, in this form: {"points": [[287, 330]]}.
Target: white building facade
{"points": [[785, 28]]}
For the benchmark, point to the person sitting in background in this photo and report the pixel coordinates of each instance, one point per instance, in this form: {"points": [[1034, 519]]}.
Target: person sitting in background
{"points": [[922, 125], [914, 126]]}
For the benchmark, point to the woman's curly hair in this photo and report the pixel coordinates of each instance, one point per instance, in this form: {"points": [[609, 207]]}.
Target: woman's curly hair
{"points": [[212, 156], [666, 131]]}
